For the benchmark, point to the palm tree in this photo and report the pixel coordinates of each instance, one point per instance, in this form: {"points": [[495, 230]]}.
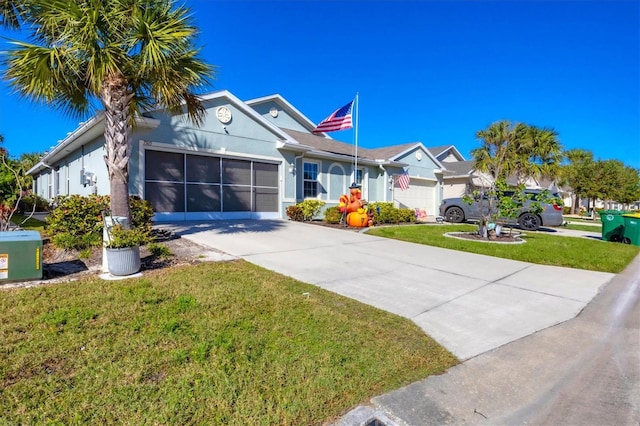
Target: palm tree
{"points": [[513, 150], [580, 174], [517, 150], [495, 155], [10, 13], [128, 55]]}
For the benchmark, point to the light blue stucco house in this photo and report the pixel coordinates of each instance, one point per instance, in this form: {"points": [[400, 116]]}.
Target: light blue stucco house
{"points": [[249, 160]]}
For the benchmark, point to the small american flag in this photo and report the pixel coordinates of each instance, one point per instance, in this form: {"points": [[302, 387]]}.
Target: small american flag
{"points": [[403, 181], [339, 120]]}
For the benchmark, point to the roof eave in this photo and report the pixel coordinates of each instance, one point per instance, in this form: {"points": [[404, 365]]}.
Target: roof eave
{"points": [[288, 107], [87, 132]]}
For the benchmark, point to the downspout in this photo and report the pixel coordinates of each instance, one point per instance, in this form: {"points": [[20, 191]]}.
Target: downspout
{"points": [[295, 178], [440, 195], [386, 181]]}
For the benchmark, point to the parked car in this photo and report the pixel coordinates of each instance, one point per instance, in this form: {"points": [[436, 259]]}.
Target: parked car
{"points": [[456, 210]]}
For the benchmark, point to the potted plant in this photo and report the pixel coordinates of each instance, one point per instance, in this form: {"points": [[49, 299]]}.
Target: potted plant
{"points": [[123, 250]]}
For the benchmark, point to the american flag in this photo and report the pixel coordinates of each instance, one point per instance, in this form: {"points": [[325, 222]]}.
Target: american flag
{"points": [[339, 120], [403, 181]]}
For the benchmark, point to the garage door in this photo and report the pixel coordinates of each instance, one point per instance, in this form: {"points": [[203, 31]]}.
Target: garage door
{"points": [[420, 194], [196, 187]]}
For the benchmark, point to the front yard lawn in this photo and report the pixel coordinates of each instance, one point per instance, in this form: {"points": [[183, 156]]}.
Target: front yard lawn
{"points": [[216, 343], [572, 252], [596, 227], [26, 222]]}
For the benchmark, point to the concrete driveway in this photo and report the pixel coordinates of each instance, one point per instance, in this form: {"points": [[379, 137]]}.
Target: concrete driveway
{"points": [[469, 303]]}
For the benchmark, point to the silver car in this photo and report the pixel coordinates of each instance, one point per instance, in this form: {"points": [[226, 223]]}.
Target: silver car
{"points": [[455, 210]]}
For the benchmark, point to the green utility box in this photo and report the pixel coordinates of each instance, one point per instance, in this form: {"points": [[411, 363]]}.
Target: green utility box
{"points": [[20, 256], [631, 229], [612, 225]]}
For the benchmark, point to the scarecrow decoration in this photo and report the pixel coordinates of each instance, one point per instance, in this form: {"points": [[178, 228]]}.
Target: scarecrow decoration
{"points": [[355, 208]]}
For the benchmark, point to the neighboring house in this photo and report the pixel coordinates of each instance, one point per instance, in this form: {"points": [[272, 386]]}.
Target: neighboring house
{"points": [[459, 179], [457, 173], [446, 154], [249, 159]]}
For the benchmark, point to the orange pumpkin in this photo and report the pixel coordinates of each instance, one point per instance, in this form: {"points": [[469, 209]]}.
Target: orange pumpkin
{"points": [[358, 219]]}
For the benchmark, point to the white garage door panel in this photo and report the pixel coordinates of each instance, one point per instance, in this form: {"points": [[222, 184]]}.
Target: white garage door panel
{"points": [[420, 194]]}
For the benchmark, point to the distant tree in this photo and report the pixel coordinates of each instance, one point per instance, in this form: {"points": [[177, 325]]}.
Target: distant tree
{"points": [[7, 178], [608, 180], [630, 189], [616, 182], [580, 174], [129, 55], [13, 173], [26, 161], [10, 187]]}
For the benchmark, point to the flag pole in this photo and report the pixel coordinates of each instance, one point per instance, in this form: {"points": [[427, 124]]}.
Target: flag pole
{"points": [[355, 171]]}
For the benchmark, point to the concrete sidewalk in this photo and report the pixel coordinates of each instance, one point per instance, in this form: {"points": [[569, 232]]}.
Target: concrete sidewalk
{"points": [[585, 371], [469, 303]]}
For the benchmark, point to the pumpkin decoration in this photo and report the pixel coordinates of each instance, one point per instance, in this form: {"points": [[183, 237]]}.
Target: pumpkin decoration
{"points": [[358, 219]]}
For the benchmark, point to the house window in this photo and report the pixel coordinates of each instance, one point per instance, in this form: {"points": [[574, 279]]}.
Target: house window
{"points": [[361, 179], [57, 183], [310, 180], [359, 174]]}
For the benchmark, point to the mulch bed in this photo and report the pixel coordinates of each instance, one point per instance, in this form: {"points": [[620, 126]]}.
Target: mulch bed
{"points": [[61, 265]]}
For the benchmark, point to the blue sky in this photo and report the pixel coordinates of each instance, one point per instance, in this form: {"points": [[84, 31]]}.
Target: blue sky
{"points": [[428, 71]]}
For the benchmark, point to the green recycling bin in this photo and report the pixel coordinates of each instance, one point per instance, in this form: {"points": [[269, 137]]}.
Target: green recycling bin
{"points": [[631, 229], [612, 225]]}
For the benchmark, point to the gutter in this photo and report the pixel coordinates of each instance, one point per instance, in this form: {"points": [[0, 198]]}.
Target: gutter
{"points": [[84, 128]]}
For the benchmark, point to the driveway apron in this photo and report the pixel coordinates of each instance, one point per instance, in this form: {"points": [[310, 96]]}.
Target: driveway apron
{"points": [[469, 303]]}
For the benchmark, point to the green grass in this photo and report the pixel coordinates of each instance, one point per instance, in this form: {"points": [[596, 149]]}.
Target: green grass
{"points": [[572, 252], [596, 227], [216, 343], [31, 224]]}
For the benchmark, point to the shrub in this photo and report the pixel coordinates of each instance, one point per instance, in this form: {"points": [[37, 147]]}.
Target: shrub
{"points": [[85, 253], [77, 216], [295, 213], [77, 222], [311, 208], [159, 250], [118, 237], [387, 213], [141, 213], [27, 203], [6, 212], [68, 241], [332, 215], [407, 215]]}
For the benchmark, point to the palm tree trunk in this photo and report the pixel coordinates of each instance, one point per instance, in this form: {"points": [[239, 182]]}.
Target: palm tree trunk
{"points": [[116, 100], [575, 205]]}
